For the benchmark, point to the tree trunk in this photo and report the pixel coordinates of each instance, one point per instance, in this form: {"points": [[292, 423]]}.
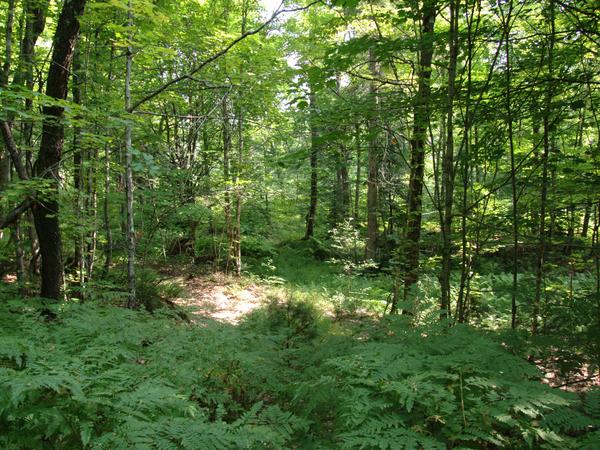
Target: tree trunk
{"points": [[35, 22], [20, 255], [513, 172], [465, 266], [357, 180], [46, 210], [596, 253], [92, 208], [344, 183], [130, 229], [107, 228], [586, 220], [227, 179], [4, 76], [412, 234], [78, 178], [237, 235], [373, 164], [314, 152], [10, 16], [448, 166], [539, 274]]}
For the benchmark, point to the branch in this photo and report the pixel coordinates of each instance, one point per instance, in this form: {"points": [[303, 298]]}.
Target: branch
{"points": [[11, 145], [13, 215], [217, 55], [582, 380]]}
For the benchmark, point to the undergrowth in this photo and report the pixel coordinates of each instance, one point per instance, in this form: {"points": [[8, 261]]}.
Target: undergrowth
{"points": [[101, 377]]}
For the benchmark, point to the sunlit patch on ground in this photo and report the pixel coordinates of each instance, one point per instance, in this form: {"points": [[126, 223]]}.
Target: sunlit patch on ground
{"points": [[220, 299], [9, 278]]}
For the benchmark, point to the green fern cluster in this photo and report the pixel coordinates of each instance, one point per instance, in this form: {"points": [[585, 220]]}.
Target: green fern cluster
{"points": [[108, 378], [102, 377], [448, 389]]}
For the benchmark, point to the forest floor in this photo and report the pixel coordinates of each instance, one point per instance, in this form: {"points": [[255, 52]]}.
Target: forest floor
{"points": [[227, 299], [220, 297]]}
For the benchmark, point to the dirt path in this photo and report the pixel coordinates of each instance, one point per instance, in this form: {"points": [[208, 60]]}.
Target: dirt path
{"points": [[220, 298]]}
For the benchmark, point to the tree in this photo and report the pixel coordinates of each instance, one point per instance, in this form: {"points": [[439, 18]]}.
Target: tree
{"points": [[46, 167], [412, 233]]}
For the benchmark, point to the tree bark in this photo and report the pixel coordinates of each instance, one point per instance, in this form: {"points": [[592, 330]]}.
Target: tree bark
{"points": [[130, 226], [10, 16], [78, 178], [412, 233], [227, 180], [466, 260], [357, 179], [586, 220], [448, 166], [46, 210], [373, 164], [237, 232], [107, 228], [513, 171], [314, 152], [539, 274]]}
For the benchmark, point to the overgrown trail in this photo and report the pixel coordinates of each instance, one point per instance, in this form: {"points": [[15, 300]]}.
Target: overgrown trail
{"points": [[229, 299], [219, 297]]}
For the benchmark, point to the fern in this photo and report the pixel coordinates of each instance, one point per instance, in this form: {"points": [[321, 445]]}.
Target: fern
{"points": [[278, 381], [88, 381]]}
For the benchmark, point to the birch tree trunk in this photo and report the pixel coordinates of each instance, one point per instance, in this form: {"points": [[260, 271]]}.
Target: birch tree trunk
{"points": [[130, 230]]}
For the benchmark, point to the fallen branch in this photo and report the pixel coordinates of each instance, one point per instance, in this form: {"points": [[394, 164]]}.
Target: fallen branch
{"points": [[581, 380]]}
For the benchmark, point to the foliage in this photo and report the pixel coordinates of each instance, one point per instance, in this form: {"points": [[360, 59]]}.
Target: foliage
{"points": [[87, 381], [475, 190], [282, 379]]}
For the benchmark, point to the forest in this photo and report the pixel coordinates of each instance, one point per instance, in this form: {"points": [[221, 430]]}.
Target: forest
{"points": [[302, 224]]}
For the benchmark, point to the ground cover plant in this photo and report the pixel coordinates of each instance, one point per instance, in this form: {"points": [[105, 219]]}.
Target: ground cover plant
{"points": [[299, 224], [287, 377]]}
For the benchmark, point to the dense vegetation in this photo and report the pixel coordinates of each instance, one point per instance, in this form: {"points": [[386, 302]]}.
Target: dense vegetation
{"points": [[411, 188]]}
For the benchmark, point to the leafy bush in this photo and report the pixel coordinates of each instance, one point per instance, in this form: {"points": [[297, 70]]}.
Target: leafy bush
{"points": [[257, 247], [153, 291]]}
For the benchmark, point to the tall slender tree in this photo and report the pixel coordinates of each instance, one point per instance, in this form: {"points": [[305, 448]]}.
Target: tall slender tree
{"points": [[421, 114]]}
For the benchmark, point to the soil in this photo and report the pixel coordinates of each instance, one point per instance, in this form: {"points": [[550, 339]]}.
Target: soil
{"points": [[219, 297]]}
